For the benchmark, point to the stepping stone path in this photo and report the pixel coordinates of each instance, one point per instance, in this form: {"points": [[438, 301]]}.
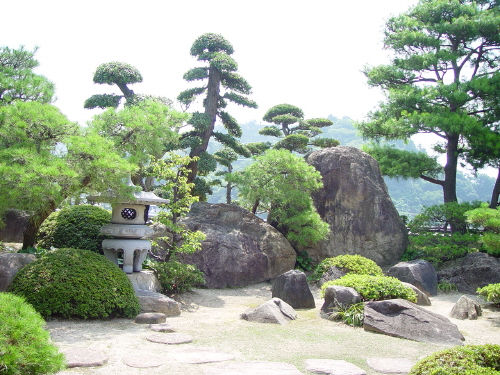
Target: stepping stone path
{"points": [[142, 361], [170, 338], [84, 357], [202, 355], [253, 368], [150, 318], [391, 365], [333, 367], [162, 327]]}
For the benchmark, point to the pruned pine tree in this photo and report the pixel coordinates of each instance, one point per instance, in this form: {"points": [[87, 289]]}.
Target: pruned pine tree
{"points": [[221, 84], [296, 133], [122, 75]]}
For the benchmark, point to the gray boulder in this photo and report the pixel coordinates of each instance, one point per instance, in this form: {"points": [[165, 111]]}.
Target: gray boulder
{"points": [[15, 224], [239, 249], [152, 302], [333, 273], [466, 308], [401, 318], [476, 270], [355, 203], [144, 280], [336, 296], [422, 298], [273, 311], [292, 288], [417, 272], [10, 264]]}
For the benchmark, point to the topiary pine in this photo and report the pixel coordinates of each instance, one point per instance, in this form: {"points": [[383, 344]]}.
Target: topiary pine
{"points": [[25, 347], [74, 227], [76, 283]]}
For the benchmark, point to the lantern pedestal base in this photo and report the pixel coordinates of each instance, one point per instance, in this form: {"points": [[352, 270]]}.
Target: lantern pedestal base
{"points": [[134, 252]]}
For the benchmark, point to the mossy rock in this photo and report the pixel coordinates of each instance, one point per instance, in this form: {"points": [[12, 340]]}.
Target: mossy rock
{"points": [[74, 227], [461, 360], [76, 283], [25, 347]]}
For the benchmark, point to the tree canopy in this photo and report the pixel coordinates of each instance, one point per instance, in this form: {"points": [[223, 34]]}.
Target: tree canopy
{"points": [[443, 49], [222, 85]]}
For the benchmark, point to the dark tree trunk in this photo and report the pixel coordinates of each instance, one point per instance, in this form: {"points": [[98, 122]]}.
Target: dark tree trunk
{"points": [[496, 192], [34, 223], [450, 170], [211, 106]]}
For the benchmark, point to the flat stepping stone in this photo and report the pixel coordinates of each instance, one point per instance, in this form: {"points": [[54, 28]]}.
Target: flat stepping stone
{"points": [[333, 367], [202, 355], [150, 318], [391, 365], [142, 361], [162, 327], [252, 368], [84, 357], [170, 338]]}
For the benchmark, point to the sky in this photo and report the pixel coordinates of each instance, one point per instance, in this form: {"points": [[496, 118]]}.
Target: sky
{"points": [[306, 53]]}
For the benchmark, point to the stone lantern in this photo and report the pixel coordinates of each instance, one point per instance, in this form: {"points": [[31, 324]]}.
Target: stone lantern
{"points": [[128, 227]]}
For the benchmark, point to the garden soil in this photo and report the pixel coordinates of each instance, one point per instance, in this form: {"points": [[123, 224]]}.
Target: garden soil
{"points": [[212, 318]]}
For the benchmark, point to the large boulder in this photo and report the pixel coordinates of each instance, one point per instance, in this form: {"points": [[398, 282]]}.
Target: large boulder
{"points": [[153, 302], [355, 203], [401, 318], [10, 264], [417, 272], [15, 225], [274, 311], [239, 249], [475, 271], [292, 288]]}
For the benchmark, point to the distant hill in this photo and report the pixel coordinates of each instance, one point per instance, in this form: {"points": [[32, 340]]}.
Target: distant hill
{"points": [[409, 196]]}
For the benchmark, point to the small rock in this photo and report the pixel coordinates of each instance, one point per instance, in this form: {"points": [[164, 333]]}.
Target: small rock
{"points": [[170, 338], [466, 308], [273, 311], [142, 361], [337, 295], [157, 302], [162, 327], [422, 298], [84, 357], [150, 318], [391, 365], [333, 367]]}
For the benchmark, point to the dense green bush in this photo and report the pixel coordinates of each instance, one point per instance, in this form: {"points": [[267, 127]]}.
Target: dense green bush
{"points": [[491, 293], [438, 248], [74, 227], [489, 219], [461, 360], [176, 277], [76, 283], [349, 263], [374, 288], [25, 347]]}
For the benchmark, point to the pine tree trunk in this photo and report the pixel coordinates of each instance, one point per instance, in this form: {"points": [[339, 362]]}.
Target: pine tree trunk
{"points": [[496, 192]]}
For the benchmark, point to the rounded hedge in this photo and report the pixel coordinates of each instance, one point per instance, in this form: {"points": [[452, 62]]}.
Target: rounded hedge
{"points": [[76, 283], [348, 263], [25, 347], [74, 227], [374, 288], [461, 360]]}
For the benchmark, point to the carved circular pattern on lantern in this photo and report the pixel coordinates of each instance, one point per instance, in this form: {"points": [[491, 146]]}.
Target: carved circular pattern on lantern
{"points": [[129, 213]]}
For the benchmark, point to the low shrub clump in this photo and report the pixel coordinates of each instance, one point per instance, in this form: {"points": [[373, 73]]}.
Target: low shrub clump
{"points": [[74, 227], [374, 288], [491, 293], [25, 347], [348, 263], [489, 219], [461, 360], [176, 277], [76, 283]]}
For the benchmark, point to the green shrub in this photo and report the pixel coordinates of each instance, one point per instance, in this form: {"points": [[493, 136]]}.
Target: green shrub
{"points": [[438, 248], [76, 283], [349, 263], [461, 360], [374, 288], [177, 277], [489, 219], [491, 293], [352, 315], [74, 227], [446, 287], [25, 347]]}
